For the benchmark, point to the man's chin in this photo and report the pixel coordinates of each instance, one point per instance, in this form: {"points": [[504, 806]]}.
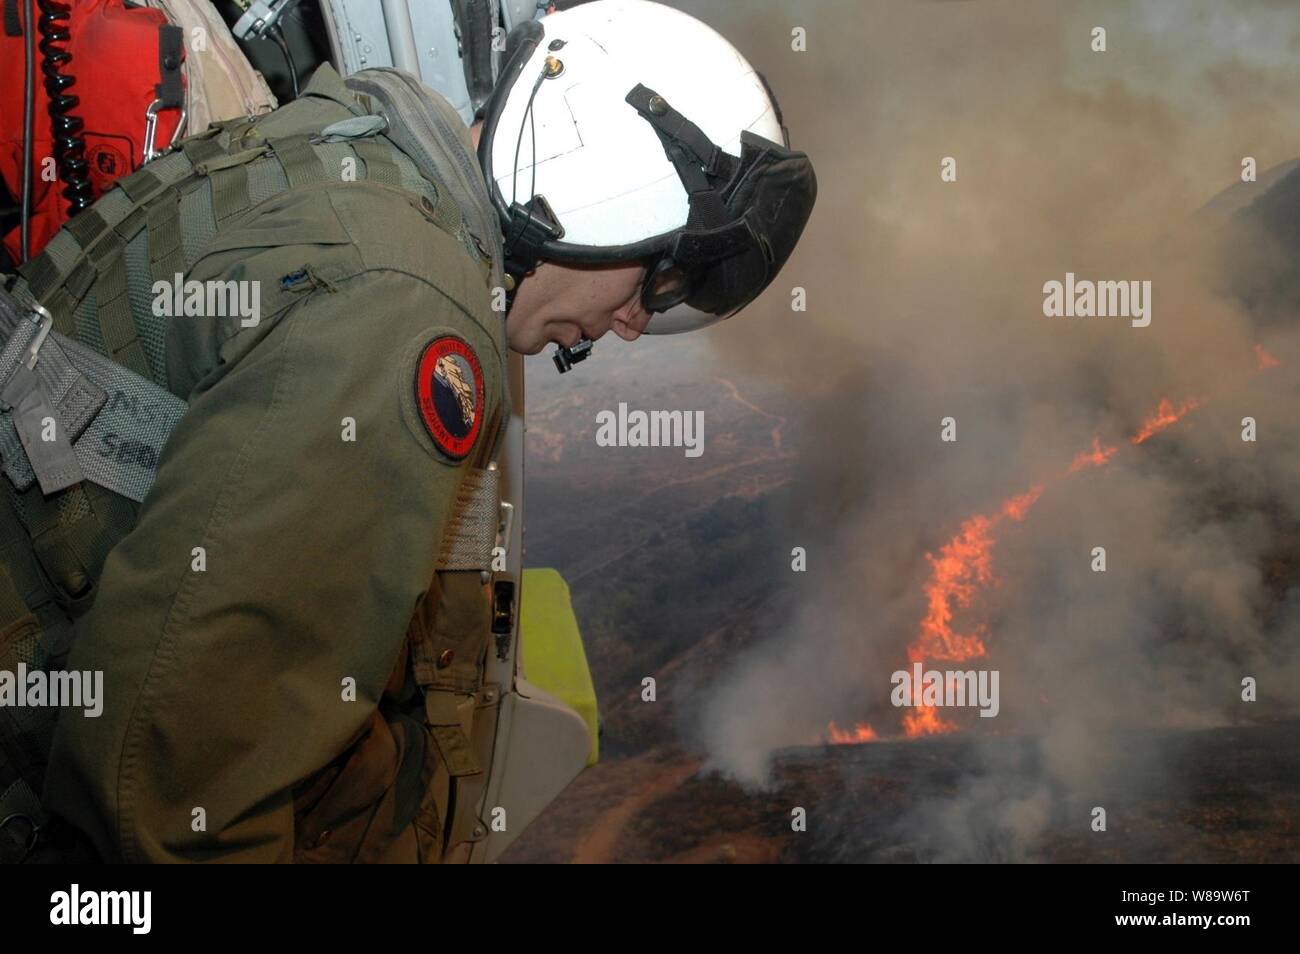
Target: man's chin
{"points": [[526, 347]]}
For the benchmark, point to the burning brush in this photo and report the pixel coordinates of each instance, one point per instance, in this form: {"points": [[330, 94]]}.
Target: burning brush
{"points": [[963, 570]]}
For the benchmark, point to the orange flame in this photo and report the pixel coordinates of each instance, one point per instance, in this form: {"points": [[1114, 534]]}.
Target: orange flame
{"points": [[924, 720], [1165, 416], [1017, 507], [1264, 360], [1097, 457], [856, 736], [964, 567], [964, 564]]}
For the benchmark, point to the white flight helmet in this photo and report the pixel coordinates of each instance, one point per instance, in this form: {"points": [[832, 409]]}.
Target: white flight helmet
{"points": [[624, 131]]}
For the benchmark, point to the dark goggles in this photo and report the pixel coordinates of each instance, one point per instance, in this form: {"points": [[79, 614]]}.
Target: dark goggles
{"points": [[746, 214]]}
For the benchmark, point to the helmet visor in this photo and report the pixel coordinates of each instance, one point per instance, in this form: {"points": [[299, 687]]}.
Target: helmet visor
{"points": [[680, 320], [717, 269]]}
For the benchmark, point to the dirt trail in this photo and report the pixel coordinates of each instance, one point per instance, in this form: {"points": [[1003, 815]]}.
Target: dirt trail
{"points": [[599, 845]]}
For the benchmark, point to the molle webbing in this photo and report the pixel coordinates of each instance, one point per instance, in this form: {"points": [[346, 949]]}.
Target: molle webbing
{"points": [[379, 164], [87, 254], [74, 262], [230, 195], [166, 258], [113, 307], [298, 159], [88, 279]]}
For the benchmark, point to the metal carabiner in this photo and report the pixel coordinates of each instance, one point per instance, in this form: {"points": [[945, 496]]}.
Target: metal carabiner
{"points": [[44, 322], [151, 129]]}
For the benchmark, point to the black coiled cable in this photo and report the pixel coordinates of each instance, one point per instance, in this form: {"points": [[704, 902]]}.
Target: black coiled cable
{"points": [[65, 127]]}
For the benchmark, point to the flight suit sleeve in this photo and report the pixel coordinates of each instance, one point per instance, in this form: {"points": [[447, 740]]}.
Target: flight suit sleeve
{"points": [[290, 533]]}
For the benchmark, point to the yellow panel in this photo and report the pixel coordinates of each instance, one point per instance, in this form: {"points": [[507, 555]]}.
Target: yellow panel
{"points": [[551, 647]]}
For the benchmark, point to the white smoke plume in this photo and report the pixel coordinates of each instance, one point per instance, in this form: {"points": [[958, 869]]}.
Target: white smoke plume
{"points": [[925, 300]]}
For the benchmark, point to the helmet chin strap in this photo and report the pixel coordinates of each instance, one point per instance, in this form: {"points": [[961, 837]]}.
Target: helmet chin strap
{"points": [[531, 224]]}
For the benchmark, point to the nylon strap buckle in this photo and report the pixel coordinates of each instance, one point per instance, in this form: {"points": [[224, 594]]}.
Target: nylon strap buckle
{"points": [[49, 449], [75, 384]]}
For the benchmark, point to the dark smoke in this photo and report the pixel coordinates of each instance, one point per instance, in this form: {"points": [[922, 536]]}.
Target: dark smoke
{"points": [[925, 300]]}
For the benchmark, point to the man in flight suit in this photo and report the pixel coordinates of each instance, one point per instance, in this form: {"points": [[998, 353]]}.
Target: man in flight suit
{"points": [[273, 623]]}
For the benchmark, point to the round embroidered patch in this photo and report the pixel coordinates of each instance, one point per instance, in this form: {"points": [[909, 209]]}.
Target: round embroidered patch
{"points": [[107, 162], [449, 391]]}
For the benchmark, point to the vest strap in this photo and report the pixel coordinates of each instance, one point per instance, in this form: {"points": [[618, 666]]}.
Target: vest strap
{"points": [[199, 151], [62, 288], [379, 167], [166, 254], [41, 274], [241, 157], [86, 227], [446, 213], [454, 748], [300, 161], [113, 304], [97, 403], [49, 455], [229, 193], [140, 185]]}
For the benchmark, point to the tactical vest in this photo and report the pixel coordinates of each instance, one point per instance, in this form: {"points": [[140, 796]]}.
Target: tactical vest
{"points": [[82, 345]]}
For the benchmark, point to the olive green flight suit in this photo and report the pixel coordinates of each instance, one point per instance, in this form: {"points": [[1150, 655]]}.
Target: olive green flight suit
{"points": [[275, 563]]}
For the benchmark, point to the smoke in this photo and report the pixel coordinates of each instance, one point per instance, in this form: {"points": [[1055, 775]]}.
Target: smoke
{"points": [[925, 301]]}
